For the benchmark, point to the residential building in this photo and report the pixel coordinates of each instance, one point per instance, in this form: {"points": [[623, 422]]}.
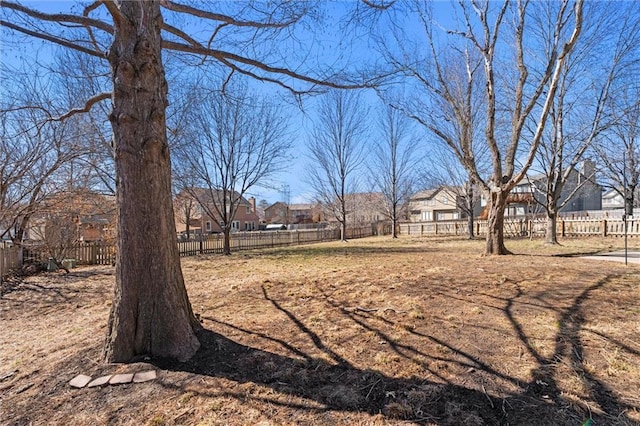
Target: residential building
{"points": [[85, 216], [439, 204], [581, 190], [364, 208], [202, 219], [287, 214], [612, 200]]}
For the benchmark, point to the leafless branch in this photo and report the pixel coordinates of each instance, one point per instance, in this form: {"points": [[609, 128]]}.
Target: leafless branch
{"points": [[87, 106], [59, 17], [182, 8], [229, 59], [52, 39]]}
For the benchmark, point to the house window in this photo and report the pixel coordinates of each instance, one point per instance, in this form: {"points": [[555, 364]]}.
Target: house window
{"points": [[207, 226], [235, 225], [248, 210], [427, 215], [445, 200]]}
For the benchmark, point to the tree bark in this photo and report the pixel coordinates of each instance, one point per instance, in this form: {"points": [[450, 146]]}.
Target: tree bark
{"points": [[469, 204], [551, 234], [226, 248], [151, 314], [495, 224], [629, 199], [394, 221]]}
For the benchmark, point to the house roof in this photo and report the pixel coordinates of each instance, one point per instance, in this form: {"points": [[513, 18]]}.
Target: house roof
{"points": [[301, 206], [361, 197], [205, 195], [427, 194], [611, 193]]}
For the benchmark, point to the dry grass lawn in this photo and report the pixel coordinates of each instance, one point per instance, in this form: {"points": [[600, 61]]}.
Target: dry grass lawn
{"points": [[369, 332]]}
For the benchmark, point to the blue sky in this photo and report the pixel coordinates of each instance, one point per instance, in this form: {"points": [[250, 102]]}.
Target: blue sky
{"points": [[328, 48]]}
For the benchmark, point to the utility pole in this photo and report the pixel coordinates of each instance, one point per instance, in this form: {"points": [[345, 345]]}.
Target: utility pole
{"points": [[286, 199]]}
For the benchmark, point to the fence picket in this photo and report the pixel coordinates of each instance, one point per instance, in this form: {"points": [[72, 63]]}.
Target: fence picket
{"points": [[527, 228]]}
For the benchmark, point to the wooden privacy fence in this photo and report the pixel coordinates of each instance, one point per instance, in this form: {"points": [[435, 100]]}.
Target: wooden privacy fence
{"points": [[260, 239], [10, 259], [105, 254], [529, 227], [93, 253]]}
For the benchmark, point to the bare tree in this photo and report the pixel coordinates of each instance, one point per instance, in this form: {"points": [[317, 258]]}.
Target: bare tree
{"points": [[31, 157], [151, 313], [444, 170], [185, 207], [336, 149], [519, 85], [618, 148], [581, 111], [393, 163], [236, 142]]}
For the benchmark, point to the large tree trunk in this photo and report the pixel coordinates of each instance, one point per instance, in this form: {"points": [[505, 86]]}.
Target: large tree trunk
{"points": [[495, 224], [469, 204], [151, 313], [551, 234], [629, 199], [226, 247], [394, 222]]}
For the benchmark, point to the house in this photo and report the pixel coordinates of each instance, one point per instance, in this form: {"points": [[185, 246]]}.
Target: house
{"points": [[581, 190], [612, 200], [439, 204], [364, 208], [192, 215], [81, 215], [284, 213]]}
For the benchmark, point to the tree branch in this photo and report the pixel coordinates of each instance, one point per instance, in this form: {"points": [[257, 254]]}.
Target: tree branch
{"points": [[182, 8], [52, 39], [59, 17], [87, 106], [228, 58]]}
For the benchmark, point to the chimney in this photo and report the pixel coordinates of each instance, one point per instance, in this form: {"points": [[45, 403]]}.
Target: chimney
{"points": [[252, 201]]}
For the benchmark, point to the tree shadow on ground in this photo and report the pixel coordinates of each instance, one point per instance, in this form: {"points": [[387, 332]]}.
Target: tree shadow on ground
{"points": [[332, 383]]}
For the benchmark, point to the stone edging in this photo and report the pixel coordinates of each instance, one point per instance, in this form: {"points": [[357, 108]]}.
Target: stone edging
{"points": [[82, 380]]}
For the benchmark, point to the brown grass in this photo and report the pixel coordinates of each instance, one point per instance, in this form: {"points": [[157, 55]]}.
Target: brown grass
{"points": [[371, 332]]}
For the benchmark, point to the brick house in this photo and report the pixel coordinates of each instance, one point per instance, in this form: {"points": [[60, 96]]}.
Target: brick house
{"points": [[190, 214], [87, 216], [280, 212]]}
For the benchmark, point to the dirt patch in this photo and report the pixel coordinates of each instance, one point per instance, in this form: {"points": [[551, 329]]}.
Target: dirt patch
{"points": [[373, 331]]}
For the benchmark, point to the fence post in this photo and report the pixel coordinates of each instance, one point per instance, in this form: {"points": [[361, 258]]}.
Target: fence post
{"points": [[530, 228], [604, 227], [563, 229]]}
